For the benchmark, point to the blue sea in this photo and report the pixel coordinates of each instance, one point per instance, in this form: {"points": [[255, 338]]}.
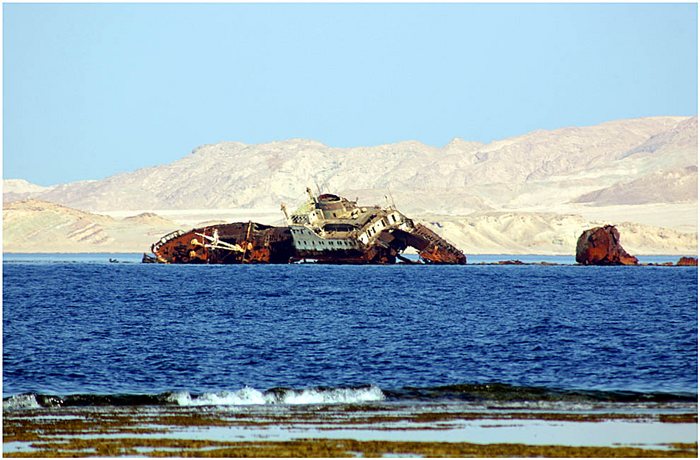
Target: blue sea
{"points": [[80, 330]]}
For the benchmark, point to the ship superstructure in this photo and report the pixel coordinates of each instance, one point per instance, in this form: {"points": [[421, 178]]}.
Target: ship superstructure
{"points": [[326, 229]]}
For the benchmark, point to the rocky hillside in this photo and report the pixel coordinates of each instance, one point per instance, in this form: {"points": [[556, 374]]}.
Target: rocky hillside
{"points": [[20, 189], [520, 195], [564, 166], [36, 226], [39, 226], [549, 233], [671, 186]]}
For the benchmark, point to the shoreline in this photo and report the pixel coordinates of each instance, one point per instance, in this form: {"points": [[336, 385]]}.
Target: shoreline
{"points": [[338, 430], [472, 264], [475, 254]]}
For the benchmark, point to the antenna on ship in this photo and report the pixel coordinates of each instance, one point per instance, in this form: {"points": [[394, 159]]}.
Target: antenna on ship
{"points": [[311, 195], [317, 187], [393, 205]]}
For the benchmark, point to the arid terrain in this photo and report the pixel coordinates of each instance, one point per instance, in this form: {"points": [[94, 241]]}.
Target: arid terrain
{"points": [[531, 194]]}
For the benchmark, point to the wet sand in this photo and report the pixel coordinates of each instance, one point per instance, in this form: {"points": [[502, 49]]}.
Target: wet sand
{"points": [[374, 430]]}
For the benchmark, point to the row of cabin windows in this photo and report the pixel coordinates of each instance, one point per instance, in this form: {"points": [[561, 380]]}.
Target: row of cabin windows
{"points": [[331, 243], [373, 231], [370, 232]]}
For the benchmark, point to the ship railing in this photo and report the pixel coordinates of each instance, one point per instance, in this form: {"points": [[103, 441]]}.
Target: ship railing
{"points": [[166, 238], [300, 219]]}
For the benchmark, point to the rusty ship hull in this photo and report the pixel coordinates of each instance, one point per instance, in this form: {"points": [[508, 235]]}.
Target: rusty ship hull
{"points": [[327, 229], [234, 243]]}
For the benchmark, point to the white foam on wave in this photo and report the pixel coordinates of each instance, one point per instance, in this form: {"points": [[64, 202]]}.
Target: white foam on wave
{"points": [[21, 402], [250, 396], [332, 396], [242, 397]]}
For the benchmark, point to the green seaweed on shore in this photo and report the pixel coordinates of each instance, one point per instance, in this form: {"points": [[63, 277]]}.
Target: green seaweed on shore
{"points": [[79, 433], [315, 448]]}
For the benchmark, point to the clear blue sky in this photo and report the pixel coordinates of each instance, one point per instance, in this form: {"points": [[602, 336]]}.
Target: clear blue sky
{"points": [[91, 90]]}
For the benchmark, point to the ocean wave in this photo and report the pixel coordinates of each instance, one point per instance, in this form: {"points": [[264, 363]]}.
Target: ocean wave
{"points": [[249, 396], [243, 397], [486, 395], [25, 401]]}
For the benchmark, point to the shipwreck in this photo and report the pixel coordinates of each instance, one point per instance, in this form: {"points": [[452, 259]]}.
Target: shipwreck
{"points": [[326, 229]]}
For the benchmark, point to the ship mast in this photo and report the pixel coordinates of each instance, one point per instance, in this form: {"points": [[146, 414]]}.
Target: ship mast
{"points": [[311, 195]]}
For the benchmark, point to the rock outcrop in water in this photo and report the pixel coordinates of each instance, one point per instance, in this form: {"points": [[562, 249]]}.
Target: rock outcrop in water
{"points": [[601, 246], [687, 262]]}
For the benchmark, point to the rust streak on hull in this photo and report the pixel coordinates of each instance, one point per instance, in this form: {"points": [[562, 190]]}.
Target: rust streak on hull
{"points": [[235, 243]]}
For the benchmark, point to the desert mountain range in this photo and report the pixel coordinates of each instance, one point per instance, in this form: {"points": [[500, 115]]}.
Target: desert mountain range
{"points": [[528, 194]]}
